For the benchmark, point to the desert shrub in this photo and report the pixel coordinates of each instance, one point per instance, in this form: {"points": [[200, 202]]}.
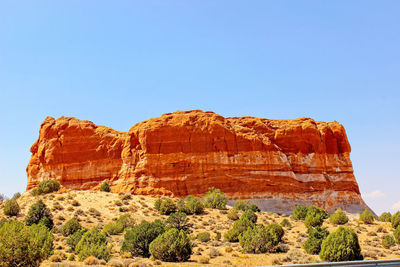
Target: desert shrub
{"points": [[215, 199], [93, 243], [260, 239], [193, 205], [254, 208], [285, 223], [11, 208], [105, 187], [341, 245], [173, 245], [16, 196], [39, 213], [385, 217], [181, 206], [165, 206], [250, 215], [315, 216], [157, 204], [48, 186], [233, 214], [70, 227], [117, 227], [24, 245], [73, 240], [239, 227], [315, 237], [204, 237], [178, 220], [339, 217], [242, 204], [388, 241], [395, 220], [138, 238], [299, 213], [367, 217], [396, 234]]}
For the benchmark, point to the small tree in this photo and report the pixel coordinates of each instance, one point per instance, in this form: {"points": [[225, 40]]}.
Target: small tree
{"points": [[48, 186], [396, 220], [39, 213], [385, 217], [315, 237], [299, 213], [396, 234], [341, 245], [138, 238], [70, 227], [367, 217], [339, 217], [172, 245], [11, 208], [215, 199], [93, 243], [105, 187], [178, 220], [315, 217], [388, 241]]}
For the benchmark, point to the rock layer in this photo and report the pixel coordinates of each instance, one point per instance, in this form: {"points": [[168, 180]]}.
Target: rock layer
{"points": [[278, 163]]}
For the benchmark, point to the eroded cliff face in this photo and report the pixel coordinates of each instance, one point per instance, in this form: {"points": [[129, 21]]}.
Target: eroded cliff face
{"points": [[277, 163]]}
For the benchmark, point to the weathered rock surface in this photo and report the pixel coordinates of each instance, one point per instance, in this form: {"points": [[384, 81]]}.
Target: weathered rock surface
{"points": [[278, 162]]}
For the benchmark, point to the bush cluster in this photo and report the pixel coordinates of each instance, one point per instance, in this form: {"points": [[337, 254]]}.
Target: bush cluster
{"points": [[341, 245], [339, 217], [385, 217], [299, 213], [315, 237], [260, 239], [215, 199], [173, 245], [93, 243], [105, 187], [39, 213], [11, 208], [367, 217], [46, 187], [165, 206], [24, 245], [315, 217]]}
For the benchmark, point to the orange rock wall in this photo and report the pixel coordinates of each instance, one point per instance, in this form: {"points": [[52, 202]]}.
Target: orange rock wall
{"points": [[279, 163]]}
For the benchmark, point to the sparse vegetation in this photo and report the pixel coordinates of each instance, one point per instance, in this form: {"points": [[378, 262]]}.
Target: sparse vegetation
{"points": [[367, 217], [11, 208], [339, 217], [105, 187], [299, 213], [341, 245], [215, 199], [173, 245]]}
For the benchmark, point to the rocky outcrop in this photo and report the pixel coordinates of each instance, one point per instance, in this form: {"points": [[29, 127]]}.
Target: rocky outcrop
{"points": [[277, 163]]}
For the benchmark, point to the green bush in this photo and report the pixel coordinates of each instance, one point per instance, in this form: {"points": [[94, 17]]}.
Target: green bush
{"points": [[385, 217], [239, 227], [24, 246], [299, 213], [233, 214], [172, 245], [367, 217], [166, 206], [204, 236], [105, 187], [73, 240], [70, 227], [388, 241], [250, 215], [194, 205], [339, 217], [315, 237], [178, 220], [260, 239], [254, 208], [341, 245], [16, 196], [396, 220], [93, 243], [315, 217], [11, 208], [181, 206], [242, 204], [47, 186], [138, 238], [157, 204], [117, 227], [396, 234], [39, 213], [285, 223], [215, 199]]}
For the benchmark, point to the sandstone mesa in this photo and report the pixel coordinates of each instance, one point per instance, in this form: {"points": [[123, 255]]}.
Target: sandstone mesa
{"points": [[276, 163]]}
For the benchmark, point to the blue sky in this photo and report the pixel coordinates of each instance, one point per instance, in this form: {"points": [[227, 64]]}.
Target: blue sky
{"points": [[120, 62]]}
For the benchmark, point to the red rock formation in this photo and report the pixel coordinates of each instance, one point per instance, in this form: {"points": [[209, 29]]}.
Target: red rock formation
{"points": [[277, 163]]}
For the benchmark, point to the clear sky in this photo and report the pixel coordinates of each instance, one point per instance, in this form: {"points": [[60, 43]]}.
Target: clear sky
{"points": [[120, 62]]}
